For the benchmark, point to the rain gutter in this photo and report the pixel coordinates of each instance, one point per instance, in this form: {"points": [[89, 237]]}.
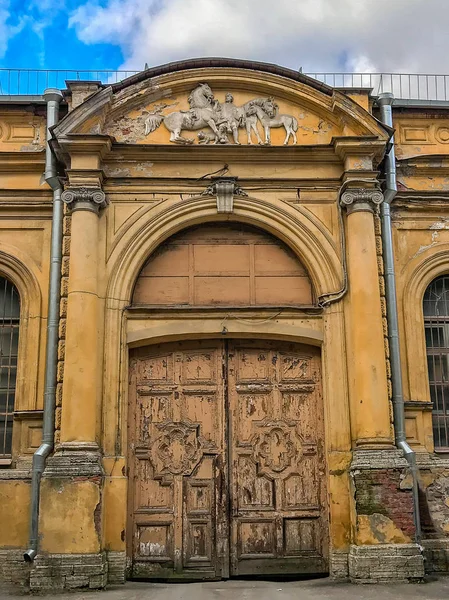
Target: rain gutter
{"points": [[53, 98], [385, 102]]}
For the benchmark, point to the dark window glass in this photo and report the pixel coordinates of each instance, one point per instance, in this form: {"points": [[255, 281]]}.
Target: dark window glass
{"points": [[436, 320], [9, 343]]}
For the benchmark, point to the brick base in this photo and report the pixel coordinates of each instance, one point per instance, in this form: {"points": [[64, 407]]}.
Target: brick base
{"points": [[69, 571], [385, 563], [13, 569]]}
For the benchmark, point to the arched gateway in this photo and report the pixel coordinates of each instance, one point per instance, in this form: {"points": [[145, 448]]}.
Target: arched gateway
{"points": [[226, 435]]}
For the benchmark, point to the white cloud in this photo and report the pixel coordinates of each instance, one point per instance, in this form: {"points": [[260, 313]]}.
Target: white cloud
{"points": [[382, 35], [7, 31]]}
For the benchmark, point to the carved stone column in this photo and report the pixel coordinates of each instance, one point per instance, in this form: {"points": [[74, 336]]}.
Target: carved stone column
{"points": [[370, 412]]}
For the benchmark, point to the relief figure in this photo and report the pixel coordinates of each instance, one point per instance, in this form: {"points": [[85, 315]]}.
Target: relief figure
{"points": [[222, 119], [267, 111], [202, 114]]}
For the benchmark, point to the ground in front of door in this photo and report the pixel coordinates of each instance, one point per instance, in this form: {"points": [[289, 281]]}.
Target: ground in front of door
{"points": [[315, 589]]}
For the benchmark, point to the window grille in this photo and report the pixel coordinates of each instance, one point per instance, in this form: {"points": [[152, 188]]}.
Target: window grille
{"points": [[9, 342], [436, 322]]}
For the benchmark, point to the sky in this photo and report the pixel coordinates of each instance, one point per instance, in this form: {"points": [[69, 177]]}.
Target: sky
{"points": [[409, 36]]}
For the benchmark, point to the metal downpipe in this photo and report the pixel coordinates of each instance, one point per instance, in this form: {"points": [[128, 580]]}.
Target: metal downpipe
{"points": [[53, 98], [385, 102]]}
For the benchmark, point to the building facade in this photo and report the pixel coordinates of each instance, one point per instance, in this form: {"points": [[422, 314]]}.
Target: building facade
{"points": [[221, 400]]}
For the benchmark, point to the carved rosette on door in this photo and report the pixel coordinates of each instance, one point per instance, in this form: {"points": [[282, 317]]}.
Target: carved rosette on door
{"points": [[277, 448], [226, 460], [177, 448]]}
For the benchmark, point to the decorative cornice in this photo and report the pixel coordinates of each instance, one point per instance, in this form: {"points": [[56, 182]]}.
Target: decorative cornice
{"points": [[361, 199], [83, 198]]}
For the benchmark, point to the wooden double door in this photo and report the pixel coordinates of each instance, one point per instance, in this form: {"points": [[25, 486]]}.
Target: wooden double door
{"points": [[226, 460]]}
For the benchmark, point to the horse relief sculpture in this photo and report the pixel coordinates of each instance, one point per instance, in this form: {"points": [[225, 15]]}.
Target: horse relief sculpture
{"points": [[222, 121]]}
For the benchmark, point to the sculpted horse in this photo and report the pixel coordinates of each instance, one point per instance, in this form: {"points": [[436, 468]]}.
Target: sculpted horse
{"points": [[248, 119], [267, 111], [202, 114]]}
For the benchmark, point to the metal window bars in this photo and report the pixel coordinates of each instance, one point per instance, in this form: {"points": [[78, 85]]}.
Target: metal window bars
{"points": [[405, 86], [436, 321], [9, 342]]}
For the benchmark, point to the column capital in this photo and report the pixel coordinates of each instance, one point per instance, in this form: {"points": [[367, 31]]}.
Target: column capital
{"points": [[361, 199], [85, 198]]}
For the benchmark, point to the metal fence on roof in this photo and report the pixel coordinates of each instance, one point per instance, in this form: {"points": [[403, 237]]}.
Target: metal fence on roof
{"points": [[33, 82], [403, 86]]}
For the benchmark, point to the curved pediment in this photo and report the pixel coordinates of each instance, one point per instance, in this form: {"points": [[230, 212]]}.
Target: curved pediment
{"points": [[220, 102]]}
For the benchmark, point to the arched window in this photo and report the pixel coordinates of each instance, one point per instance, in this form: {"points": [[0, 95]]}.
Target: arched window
{"points": [[9, 342], [436, 320]]}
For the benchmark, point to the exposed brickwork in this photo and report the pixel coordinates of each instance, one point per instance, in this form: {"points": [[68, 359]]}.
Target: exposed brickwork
{"points": [[66, 228], [13, 569], [379, 491], [69, 571], [385, 563], [383, 300]]}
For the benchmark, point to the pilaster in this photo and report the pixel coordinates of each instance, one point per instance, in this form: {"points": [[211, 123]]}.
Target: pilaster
{"points": [[369, 402], [72, 488]]}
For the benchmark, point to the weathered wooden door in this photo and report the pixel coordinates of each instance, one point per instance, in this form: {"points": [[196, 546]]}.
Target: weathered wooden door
{"points": [[277, 483], [226, 460], [177, 480]]}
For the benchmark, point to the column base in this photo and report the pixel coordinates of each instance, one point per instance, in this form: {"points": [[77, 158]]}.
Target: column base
{"points": [[116, 567], [69, 572], [378, 458], [386, 563], [338, 565], [75, 459]]}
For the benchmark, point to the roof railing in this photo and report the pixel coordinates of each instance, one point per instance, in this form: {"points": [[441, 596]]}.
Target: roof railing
{"points": [[405, 86]]}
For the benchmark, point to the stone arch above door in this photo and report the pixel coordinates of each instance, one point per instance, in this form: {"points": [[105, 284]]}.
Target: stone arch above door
{"points": [[223, 264]]}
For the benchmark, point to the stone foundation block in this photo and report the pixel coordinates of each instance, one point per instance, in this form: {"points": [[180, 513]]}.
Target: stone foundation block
{"points": [[13, 569], [338, 565], [385, 563], [116, 567], [436, 555], [69, 571]]}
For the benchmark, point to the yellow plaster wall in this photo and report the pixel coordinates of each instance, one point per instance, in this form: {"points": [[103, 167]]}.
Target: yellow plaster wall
{"points": [[421, 237], [68, 520], [14, 513], [21, 131], [25, 230], [421, 133], [115, 491]]}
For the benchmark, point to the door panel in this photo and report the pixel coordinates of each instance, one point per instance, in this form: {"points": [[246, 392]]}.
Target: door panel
{"points": [[226, 460], [177, 462], [278, 523]]}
